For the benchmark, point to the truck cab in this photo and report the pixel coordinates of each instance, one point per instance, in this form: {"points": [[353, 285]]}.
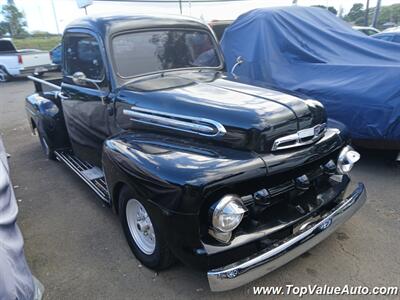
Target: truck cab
{"points": [[225, 175]]}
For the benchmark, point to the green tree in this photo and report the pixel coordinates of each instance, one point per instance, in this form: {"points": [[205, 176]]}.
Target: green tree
{"points": [[330, 8], [4, 29], [356, 14], [15, 20], [389, 13]]}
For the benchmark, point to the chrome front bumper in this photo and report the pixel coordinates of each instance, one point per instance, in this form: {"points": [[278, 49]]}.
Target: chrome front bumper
{"points": [[253, 267]]}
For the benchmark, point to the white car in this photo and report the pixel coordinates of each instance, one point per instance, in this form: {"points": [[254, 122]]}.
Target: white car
{"points": [[15, 63], [368, 30]]}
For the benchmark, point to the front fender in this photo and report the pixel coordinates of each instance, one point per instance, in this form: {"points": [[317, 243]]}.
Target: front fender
{"points": [[172, 175]]}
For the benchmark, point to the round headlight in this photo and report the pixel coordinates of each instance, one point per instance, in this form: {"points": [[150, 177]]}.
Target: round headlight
{"points": [[347, 158], [228, 213]]}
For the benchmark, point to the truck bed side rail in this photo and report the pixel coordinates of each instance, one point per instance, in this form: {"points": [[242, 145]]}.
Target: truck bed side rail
{"points": [[40, 82]]}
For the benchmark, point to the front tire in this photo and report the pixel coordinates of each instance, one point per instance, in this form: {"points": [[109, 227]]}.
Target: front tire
{"points": [[142, 233]]}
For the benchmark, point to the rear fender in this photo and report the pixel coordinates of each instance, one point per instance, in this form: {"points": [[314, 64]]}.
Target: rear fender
{"points": [[44, 113]]}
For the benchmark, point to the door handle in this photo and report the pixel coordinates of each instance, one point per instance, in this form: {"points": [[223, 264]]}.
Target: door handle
{"points": [[63, 96]]}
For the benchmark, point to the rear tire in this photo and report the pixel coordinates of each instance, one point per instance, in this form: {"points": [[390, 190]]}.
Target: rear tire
{"points": [[4, 77], [142, 233]]}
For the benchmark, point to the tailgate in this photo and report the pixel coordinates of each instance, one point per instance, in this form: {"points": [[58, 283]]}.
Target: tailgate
{"points": [[35, 59]]}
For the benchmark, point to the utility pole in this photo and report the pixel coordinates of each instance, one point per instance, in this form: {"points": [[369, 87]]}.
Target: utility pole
{"points": [[180, 6], [55, 16], [366, 18], [376, 14]]}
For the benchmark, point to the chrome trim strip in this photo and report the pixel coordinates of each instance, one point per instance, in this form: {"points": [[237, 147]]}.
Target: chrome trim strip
{"points": [[184, 123], [256, 266], [315, 132], [45, 82]]}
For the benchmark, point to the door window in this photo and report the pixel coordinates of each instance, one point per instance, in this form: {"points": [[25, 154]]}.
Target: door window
{"points": [[82, 54]]}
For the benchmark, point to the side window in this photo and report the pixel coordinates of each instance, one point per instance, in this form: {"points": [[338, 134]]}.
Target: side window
{"points": [[82, 54]]}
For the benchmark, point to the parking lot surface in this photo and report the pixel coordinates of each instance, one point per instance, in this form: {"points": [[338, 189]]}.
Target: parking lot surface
{"points": [[75, 246]]}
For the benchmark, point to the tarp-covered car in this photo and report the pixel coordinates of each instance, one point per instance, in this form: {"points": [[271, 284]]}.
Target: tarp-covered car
{"points": [[312, 52]]}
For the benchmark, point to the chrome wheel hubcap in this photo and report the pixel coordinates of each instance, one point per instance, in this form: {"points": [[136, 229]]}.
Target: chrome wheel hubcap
{"points": [[140, 226]]}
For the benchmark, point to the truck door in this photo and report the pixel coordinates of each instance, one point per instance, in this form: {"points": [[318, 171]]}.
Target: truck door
{"points": [[87, 118]]}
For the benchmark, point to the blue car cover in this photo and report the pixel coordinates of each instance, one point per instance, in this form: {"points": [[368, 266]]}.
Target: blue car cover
{"points": [[310, 51]]}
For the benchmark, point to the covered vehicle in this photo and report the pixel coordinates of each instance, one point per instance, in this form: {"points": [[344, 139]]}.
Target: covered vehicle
{"points": [[389, 35], [310, 51]]}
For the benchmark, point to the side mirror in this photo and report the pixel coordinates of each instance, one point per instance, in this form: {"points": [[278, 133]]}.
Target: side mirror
{"points": [[239, 61], [80, 78]]}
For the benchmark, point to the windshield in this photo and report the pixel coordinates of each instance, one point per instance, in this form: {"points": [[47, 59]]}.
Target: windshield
{"points": [[146, 52]]}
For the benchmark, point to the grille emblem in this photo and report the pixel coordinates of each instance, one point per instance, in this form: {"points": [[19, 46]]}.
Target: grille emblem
{"points": [[300, 138], [325, 224]]}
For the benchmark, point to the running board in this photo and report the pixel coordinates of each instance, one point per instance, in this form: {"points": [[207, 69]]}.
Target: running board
{"points": [[91, 175]]}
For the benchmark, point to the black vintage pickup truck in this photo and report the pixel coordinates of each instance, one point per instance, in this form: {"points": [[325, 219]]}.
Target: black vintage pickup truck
{"points": [[228, 177]]}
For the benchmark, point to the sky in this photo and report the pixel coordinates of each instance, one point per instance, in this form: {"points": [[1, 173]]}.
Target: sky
{"points": [[40, 15]]}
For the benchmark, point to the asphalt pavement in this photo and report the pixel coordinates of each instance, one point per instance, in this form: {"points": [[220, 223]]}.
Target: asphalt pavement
{"points": [[75, 245]]}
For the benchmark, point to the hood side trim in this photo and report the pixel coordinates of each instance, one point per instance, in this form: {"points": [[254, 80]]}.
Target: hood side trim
{"points": [[195, 125]]}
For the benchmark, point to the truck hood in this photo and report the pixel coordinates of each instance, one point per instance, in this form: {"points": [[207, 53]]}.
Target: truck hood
{"points": [[252, 117]]}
